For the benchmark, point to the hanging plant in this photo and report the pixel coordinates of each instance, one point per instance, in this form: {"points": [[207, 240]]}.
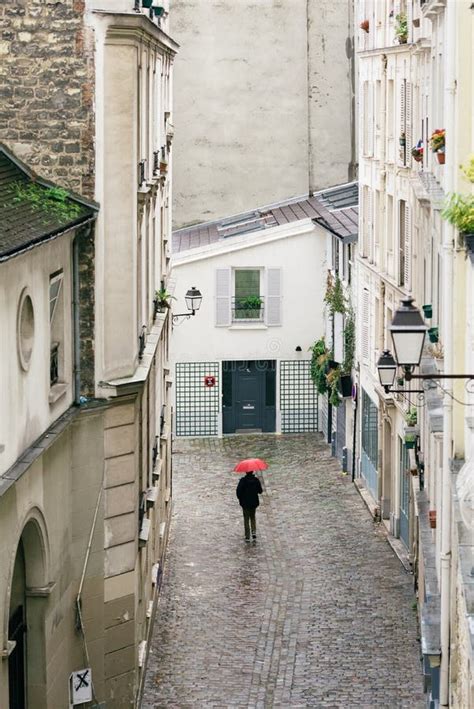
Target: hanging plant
{"points": [[411, 417], [349, 343], [334, 296], [320, 358], [401, 29], [438, 140], [334, 384]]}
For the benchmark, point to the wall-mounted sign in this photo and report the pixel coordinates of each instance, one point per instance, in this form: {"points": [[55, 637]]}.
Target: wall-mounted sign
{"points": [[209, 381], [80, 686]]}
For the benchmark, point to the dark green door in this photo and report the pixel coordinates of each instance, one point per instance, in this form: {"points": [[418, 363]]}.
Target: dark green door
{"points": [[248, 396]]}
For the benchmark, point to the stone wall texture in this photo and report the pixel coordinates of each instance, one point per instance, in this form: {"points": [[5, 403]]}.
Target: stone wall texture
{"points": [[46, 89]]}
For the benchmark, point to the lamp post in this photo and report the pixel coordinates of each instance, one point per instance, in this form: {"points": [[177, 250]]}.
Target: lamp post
{"points": [[193, 300], [408, 331]]}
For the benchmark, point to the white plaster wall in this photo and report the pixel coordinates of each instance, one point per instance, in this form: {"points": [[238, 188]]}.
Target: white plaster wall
{"points": [[25, 411], [302, 260]]}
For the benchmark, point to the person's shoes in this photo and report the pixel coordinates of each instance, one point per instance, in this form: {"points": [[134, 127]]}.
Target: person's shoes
{"points": [[254, 537], [247, 539]]}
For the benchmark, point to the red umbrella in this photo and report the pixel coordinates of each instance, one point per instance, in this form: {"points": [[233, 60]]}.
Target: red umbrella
{"points": [[249, 465]]}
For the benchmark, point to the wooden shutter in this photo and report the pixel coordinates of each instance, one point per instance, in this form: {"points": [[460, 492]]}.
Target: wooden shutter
{"points": [[273, 304], [364, 330], [407, 248], [408, 121], [223, 283]]}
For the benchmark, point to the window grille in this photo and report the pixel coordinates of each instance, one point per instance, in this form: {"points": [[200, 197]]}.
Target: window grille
{"points": [[54, 364], [298, 397], [197, 405]]}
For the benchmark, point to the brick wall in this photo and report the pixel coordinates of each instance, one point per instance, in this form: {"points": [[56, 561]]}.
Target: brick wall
{"points": [[46, 89]]}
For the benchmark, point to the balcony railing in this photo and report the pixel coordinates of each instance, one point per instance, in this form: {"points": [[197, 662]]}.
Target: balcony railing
{"points": [[247, 308]]}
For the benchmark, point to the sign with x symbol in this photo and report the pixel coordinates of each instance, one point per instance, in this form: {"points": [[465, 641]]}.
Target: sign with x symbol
{"points": [[80, 686]]}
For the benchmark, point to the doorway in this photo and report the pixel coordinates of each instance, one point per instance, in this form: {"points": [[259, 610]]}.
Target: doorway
{"points": [[17, 634], [249, 396]]}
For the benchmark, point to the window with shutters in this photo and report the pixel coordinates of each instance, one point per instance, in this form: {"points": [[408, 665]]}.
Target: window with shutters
{"points": [[248, 296], [404, 245], [406, 132]]}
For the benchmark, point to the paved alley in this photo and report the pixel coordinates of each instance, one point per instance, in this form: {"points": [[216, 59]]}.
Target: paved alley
{"points": [[318, 613]]}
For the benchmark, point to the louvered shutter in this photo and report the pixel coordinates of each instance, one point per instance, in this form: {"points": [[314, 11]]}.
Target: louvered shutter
{"points": [[364, 331], [370, 225], [273, 304], [408, 121], [407, 248], [223, 282], [403, 109], [365, 117], [371, 118]]}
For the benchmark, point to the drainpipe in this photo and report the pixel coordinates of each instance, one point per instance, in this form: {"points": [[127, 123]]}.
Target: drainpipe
{"points": [[448, 238], [75, 318]]}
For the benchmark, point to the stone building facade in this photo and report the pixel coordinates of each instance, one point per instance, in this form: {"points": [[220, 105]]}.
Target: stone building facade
{"points": [[264, 96], [86, 485], [416, 446]]}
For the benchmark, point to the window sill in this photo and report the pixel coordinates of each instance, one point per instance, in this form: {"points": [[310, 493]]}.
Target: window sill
{"points": [[57, 391], [248, 326]]}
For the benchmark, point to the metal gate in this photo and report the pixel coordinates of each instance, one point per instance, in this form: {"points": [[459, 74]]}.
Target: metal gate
{"points": [[298, 397]]}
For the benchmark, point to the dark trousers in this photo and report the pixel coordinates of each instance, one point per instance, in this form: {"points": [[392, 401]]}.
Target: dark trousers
{"points": [[249, 521]]}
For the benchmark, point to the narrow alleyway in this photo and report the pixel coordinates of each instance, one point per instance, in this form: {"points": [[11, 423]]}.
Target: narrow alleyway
{"points": [[318, 613]]}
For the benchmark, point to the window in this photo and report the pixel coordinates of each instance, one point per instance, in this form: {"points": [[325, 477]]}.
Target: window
{"points": [[56, 325], [404, 244], [247, 303], [370, 428]]}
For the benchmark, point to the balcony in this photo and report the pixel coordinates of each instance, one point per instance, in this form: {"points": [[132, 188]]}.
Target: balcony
{"points": [[249, 308]]}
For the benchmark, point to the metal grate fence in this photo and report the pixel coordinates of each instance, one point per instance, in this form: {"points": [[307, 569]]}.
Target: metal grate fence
{"points": [[298, 397], [197, 405]]}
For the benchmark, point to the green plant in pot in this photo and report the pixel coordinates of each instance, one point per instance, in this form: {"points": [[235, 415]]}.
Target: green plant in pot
{"points": [[401, 28], [249, 307], [334, 296], [410, 440], [158, 10], [459, 211], [162, 299], [428, 311], [411, 417], [334, 384], [147, 3], [433, 334]]}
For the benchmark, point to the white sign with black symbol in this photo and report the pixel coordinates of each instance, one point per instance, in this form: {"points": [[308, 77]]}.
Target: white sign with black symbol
{"points": [[80, 686]]}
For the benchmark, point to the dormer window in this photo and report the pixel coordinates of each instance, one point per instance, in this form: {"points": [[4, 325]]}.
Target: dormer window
{"points": [[56, 329]]}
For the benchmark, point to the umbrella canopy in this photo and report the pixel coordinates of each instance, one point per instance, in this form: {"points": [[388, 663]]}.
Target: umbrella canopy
{"points": [[250, 464]]}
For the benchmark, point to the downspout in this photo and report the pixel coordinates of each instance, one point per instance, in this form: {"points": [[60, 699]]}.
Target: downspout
{"points": [[448, 331]]}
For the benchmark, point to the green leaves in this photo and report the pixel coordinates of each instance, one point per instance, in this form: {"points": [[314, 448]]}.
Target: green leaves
{"points": [[459, 211], [52, 201]]}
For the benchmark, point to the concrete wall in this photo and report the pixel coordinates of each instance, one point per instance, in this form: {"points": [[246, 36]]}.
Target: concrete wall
{"points": [[262, 91]]}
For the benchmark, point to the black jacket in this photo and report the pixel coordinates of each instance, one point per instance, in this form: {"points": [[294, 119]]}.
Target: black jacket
{"points": [[248, 490]]}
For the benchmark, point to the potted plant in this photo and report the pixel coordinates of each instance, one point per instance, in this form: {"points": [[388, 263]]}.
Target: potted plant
{"points": [[416, 22], [411, 417], [438, 144], [400, 381], [364, 25], [410, 440], [250, 306], [402, 140], [147, 3], [334, 383], [433, 334], [319, 365], [459, 211], [401, 29], [158, 10], [428, 311], [417, 152], [162, 300], [432, 518]]}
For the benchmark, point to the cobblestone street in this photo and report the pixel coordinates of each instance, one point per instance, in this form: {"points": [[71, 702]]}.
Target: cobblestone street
{"points": [[318, 613]]}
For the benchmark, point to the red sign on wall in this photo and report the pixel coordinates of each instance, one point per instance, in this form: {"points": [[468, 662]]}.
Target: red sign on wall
{"points": [[209, 381]]}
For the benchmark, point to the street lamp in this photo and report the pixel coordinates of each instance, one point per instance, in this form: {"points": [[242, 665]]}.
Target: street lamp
{"points": [[387, 369], [193, 300], [408, 331]]}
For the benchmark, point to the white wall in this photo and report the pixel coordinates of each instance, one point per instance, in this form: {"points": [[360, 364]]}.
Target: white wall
{"points": [[301, 258], [25, 410]]}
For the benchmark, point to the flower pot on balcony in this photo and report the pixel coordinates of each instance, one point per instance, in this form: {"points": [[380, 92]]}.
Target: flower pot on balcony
{"points": [[402, 140], [410, 441], [432, 518], [433, 334], [163, 167], [416, 22], [147, 3], [346, 385], [468, 241], [364, 25], [441, 157], [158, 10], [428, 311]]}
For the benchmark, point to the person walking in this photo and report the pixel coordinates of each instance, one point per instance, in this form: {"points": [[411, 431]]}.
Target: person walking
{"points": [[248, 490]]}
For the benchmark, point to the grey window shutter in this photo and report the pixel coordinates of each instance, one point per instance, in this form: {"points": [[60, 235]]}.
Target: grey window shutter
{"points": [[365, 326], [223, 282], [273, 304], [407, 249]]}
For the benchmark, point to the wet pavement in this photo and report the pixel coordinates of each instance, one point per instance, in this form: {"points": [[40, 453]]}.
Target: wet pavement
{"points": [[318, 613]]}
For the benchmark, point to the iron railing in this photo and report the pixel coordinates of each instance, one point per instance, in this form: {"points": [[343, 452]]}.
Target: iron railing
{"points": [[247, 308]]}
